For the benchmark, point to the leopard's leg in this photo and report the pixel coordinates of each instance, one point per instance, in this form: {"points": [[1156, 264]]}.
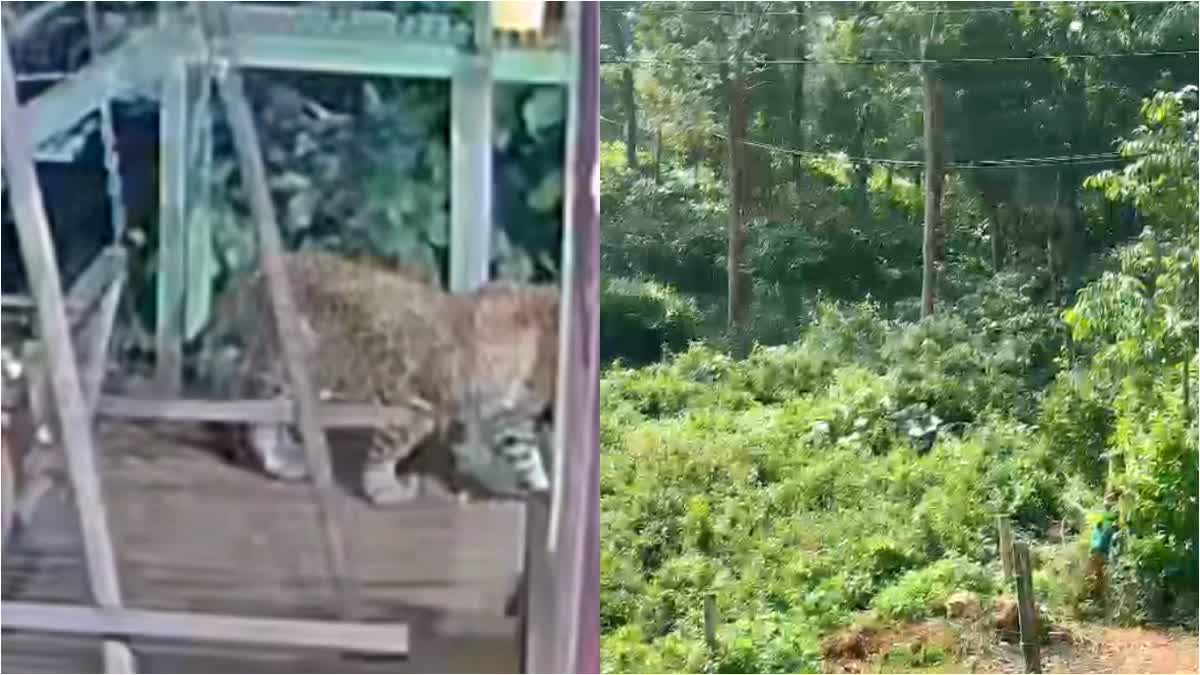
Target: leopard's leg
{"points": [[520, 444], [501, 445], [279, 450], [505, 454], [391, 445]]}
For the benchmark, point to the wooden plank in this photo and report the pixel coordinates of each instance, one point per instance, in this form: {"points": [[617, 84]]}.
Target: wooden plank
{"points": [[48, 653], [172, 221], [383, 638], [395, 58], [431, 559], [366, 42], [471, 117], [1027, 608], [286, 317], [37, 252], [278, 411]]}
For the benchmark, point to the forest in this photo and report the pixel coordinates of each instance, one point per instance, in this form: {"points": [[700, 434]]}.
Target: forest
{"points": [[876, 275]]}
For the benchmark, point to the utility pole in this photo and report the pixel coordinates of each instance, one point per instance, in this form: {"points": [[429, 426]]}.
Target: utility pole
{"points": [[931, 248]]}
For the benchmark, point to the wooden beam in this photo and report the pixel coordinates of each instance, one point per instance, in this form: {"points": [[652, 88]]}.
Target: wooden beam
{"points": [[287, 321], [370, 43], [381, 638], [573, 535], [172, 217], [137, 64], [471, 117], [331, 415], [396, 59], [37, 252], [23, 26], [93, 284], [95, 334]]}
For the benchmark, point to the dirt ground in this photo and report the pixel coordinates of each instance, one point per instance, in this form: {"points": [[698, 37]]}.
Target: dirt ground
{"points": [[942, 646], [1102, 649]]}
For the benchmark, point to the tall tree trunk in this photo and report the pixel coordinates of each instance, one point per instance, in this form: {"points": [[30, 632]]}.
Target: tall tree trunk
{"points": [[737, 272], [862, 170], [1187, 390], [934, 179], [796, 114], [628, 100], [631, 128], [997, 234], [658, 156]]}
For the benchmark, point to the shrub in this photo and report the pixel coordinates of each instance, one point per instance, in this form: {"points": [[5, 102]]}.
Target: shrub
{"points": [[639, 319], [921, 593]]}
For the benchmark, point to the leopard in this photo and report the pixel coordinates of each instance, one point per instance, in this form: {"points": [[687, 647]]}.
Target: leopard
{"points": [[479, 370]]}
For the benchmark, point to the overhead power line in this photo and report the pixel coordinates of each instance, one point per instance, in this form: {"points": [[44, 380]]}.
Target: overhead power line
{"points": [[1000, 163], [898, 61], [1003, 163]]}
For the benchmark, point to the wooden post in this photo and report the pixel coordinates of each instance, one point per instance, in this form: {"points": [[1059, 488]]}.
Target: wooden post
{"points": [[373, 638], [1004, 529], [95, 333], [575, 509], [254, 175], [1027, 609], [75, 417], [934, 177], [172, 242], [471, 116], [710, 621]]}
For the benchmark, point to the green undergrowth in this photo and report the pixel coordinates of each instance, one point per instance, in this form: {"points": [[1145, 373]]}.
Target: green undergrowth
{"points": [[857, 470]]}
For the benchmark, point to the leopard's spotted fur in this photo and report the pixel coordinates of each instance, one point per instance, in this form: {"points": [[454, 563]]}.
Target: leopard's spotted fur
{"points": [[482, 363]]}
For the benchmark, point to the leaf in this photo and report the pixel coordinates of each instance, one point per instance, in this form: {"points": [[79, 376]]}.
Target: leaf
{"points": [[290, 181], [201, 268], [300, 209], [543, 110], [438, 228], [548, 192], [516, 266]]}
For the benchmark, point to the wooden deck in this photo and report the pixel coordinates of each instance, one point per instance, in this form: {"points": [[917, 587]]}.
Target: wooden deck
{"points": [[193, 533]]}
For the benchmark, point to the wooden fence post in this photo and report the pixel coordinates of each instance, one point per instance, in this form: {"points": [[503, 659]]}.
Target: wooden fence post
{"points": [[1027, 608], [1006, 546], [711, 620]]}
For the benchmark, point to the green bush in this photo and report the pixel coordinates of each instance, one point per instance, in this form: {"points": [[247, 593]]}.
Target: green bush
{"points": [[639, 319], [922, 593]]}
